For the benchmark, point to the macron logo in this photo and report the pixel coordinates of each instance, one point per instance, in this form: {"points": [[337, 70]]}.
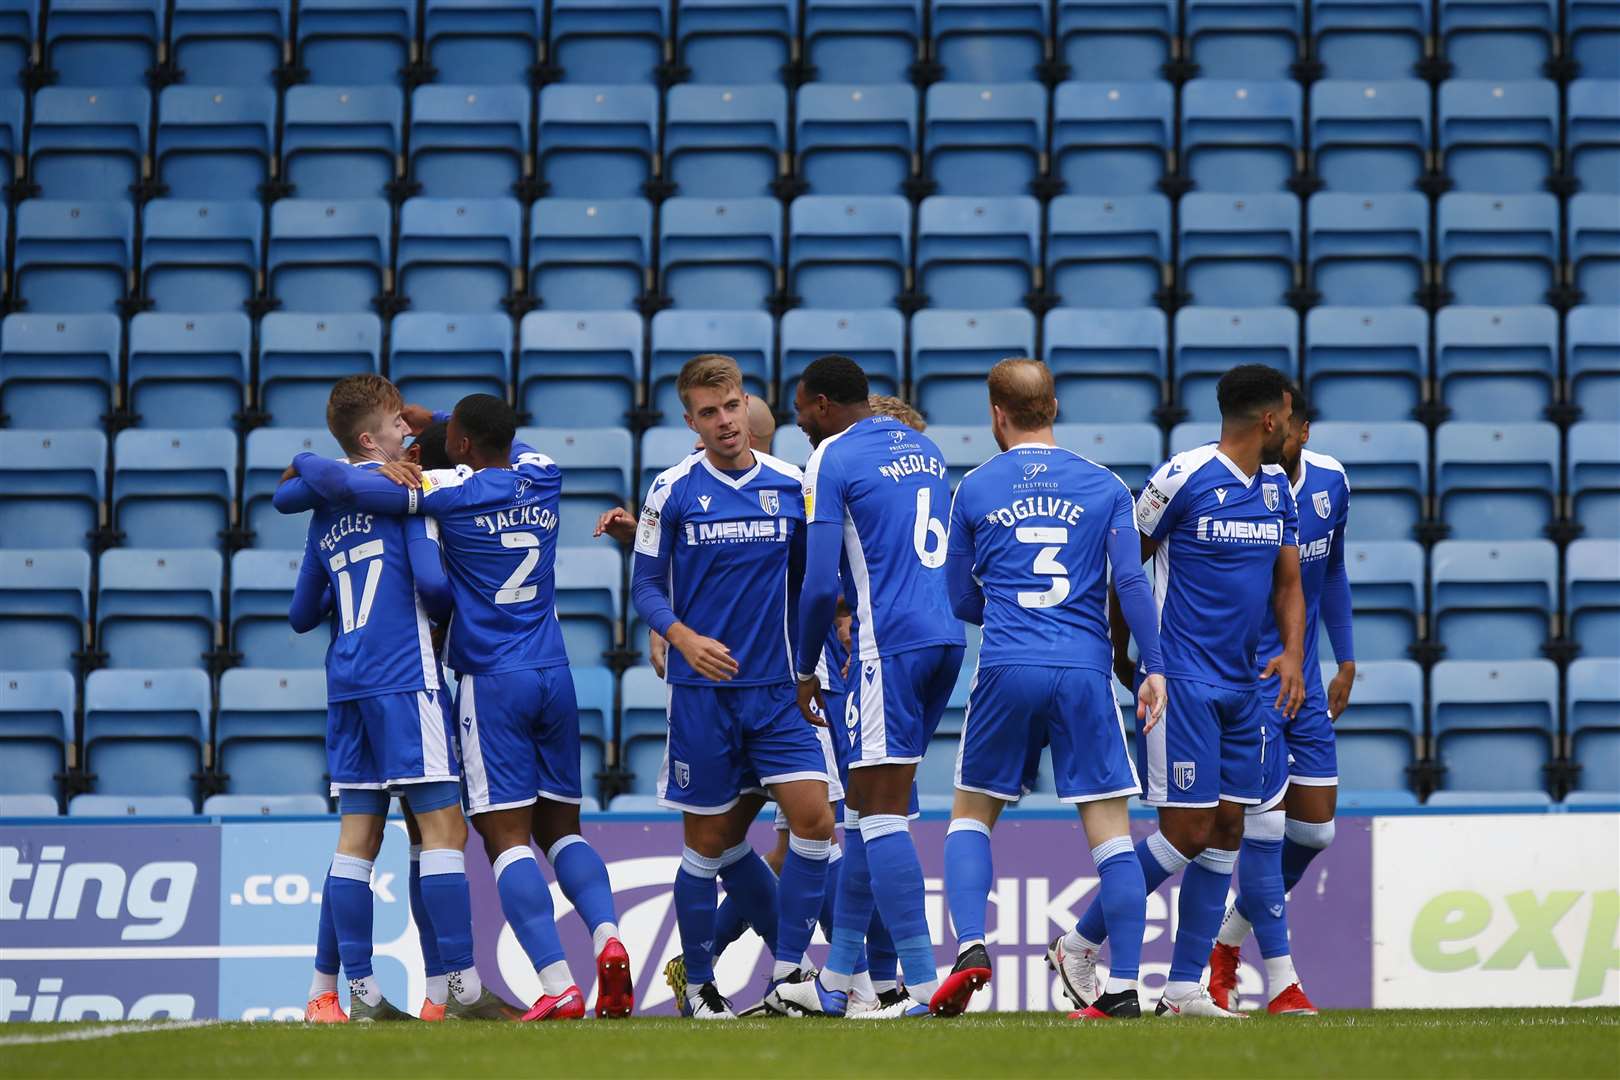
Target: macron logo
{"points": [[703, 501], [1220, 496]]}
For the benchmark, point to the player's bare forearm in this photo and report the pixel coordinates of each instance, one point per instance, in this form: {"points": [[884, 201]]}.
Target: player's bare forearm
{"points": [[1288, 607]]}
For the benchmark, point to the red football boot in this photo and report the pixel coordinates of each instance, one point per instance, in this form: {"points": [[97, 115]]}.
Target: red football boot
{"points": [[568, 1005], [615, 992], [1291, 1002], [1223, 969], [324, 1009], [972, 970]]}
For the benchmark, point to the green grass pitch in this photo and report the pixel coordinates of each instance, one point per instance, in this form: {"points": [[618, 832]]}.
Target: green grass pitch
{"points": [[1509, 1043]]}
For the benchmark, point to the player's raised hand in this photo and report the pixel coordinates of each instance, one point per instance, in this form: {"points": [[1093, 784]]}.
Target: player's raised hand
{"points": [[811, 703], [1151, 700], [617, 523], [1338, 691], [708, 657], [402, 472], [417, 417], [1291, 693]]}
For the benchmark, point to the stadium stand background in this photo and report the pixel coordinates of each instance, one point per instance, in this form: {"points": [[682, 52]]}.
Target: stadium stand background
{"points": [[218, 207]]}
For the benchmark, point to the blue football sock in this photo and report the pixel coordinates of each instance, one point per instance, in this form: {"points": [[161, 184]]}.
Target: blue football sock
{"points": [[1122, 894], [1202, 904], [327, 960], [1261, 897], [853, 911], [695, 893], [425, 934], [802, 889], [348, 890], [729, 924], [583, 878], [526, 903], [897, 883], [448, 906], [968, 876], [1302, 842], [881, 958], [1159, 860], [749, 881], [829, 895]]}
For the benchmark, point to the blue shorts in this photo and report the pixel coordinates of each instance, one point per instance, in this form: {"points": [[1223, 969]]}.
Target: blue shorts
{"points": [[724, 740], [1014, 711], [1207, 748], [519, 738], [376, 742], [1313, 758], [896, 702]]}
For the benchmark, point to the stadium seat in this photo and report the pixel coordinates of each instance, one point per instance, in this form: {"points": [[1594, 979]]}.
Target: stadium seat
{"points": [[262, 806], [639, 804], [189, 371], [1370, 136], [609, 41], [1240, 135], [1107, 251], [459, 255], [724, 142], [261, 594], [1131, 451], [597, 142], [1594, 35], [469, 142], [1593, 137], [791, 445], [593, 689], [72, 256], [145, 731], [1386, 594], [301, 356], [643, 726], [356, 42], [158, 606], [19, 26], [104, 42], [977, 252], [269, 452], [936, 773], [342, 142], [108, 806], [984, 139], [719, 253], [1498, 249], [53, 497], [1379, 732], [483, 42], [270, 735], [1379, 40], [1242, 39], [1492, 599], [579, 366], [990, 41], [1238, 250], [1497, 39], [1110, 366], [1496, 364], [1101, 39], [229, 42], [951, 351], [862, 41], [1186, 435], [588, 589], [736, 42], [1112, 138], [661, 448], [175, 488], [1368, 250], [1380, 801], [1390, 466], [1594, 478], [873, 338], [1366, 364], [58, 371], [965, 446], [1498, 136], [446, 357], [328, 255], [1496, 481], [1594, 724], [589, 255], [200, 257], [1210, 340], [1494, 722], [855, 140], [595, 465], [44, 602], [1592, 597], [88, 143], [1489, 801], [30, 806], [1592, 336], [216, 142], [677, 336], [850, 252], [1594, 247], [12, 132]]}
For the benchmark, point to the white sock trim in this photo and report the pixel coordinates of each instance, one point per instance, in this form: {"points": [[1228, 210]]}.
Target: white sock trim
{"points": [[814, 850], [555, 978], [557, 849], [351, 868], [443, 861], [1106, 850], [1234, 928], [733, 855], [1311, 834], [601, 935], [852, 818], [1217, 860], [967, 824], [701, 866], [835, 853], [1118, 986], [1170, 860], [1264, 826], [512, 855], [1280, 974], [874, 826]]}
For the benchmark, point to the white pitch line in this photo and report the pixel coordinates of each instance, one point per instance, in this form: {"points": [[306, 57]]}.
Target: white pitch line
{"points": [[81, 1034]]}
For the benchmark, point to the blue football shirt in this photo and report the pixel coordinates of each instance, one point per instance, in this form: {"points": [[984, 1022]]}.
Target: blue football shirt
{"points": [[1323, 498]]}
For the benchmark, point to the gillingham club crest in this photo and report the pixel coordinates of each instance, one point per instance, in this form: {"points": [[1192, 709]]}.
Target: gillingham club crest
{"points": [[770, 502], [1324, 505], [1269, 492], [1184, 773]]}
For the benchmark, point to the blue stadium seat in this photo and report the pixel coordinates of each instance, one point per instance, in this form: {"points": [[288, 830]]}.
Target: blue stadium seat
{"points": [[1592, 596], [216, 142], [1240, 135], [12, 104], [736, 41], [1242, 39], [984, 139], [1370, 136], [36, 729], [643, 726], [1496, 481], [270, 734], [952, 350], [1367, 250], [850, 251], [174, 488], [719, 253], [597, 142], [458, 254], [862, 41], [1594, 37], [1378, 801], [1492, 599], [189, 371], [1593, 136], [200, 257], [1110, 366], [104, 42], [1498, 136], [469, 142], [677, 336], [1594, 477], [1594, 730], [1378, 733], [936, 773], [103, 806], [19, 26], [341, 142], [1494, 722], [855, 140], [724, 142], [269, 451], [356, 42], [266, 806], [965, 446], [1107, 251], [593, 688], [229, 42], [791, 444], [1389, 463], [1210, 340], [1382, 39], [588, 592], [609, 41], [1186, 435], [1489, 801], [53, 497], [1132, 451], [483, 42], [1594, 247], [575, 366], [1386, 594], [874, 339], [977, 252], [145, 731], [328, 255], [446, 357], [158, 606], [1366, 364], [1112, 138], [261, 593], [88, 143], [1103, 39], [44, 602], [662, 447], [990, 41], [1496, 364], [1498, 249], [595, 465], [58, 371], [1497, 39], [1592, 336], [588, 255], [301, 356], [1238, 250]]}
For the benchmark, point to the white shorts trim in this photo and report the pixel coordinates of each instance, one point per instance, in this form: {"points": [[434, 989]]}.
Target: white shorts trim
{"points": [[1314, 781], [471, 810], [701, 811], [335, 788], [550, 797], [1241, 801], [1002, 795], [1161, 803], [1122, 793], [1268, 804], [885, 761], [788, 778]]}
